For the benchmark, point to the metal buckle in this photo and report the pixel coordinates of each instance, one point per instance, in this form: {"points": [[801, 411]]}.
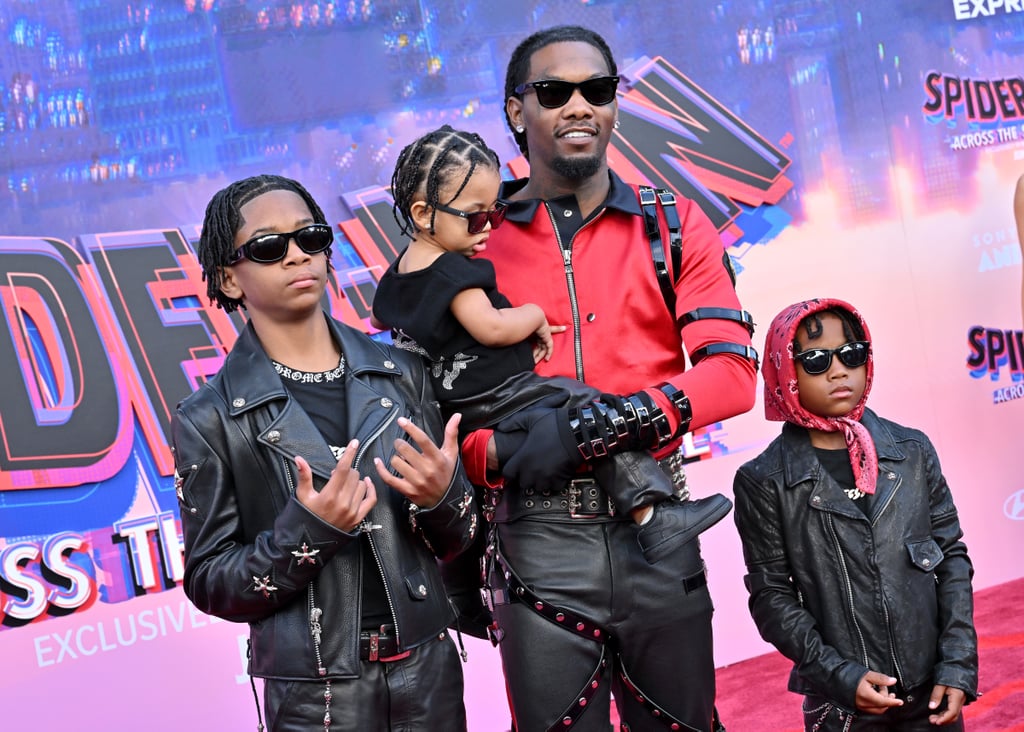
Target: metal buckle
{"points": [[375, 647], [575, 489]]}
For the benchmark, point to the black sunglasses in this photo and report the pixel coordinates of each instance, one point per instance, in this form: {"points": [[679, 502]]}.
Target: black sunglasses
{"points": [[818, 360], [477, 221], [552, 93], [268, 248]]}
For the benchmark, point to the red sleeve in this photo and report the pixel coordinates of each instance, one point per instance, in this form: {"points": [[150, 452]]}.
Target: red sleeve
{"points": [[474, 459], [722, 385]]}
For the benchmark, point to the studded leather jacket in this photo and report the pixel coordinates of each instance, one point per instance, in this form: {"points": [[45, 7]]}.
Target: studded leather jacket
{"points": [[254, 554], [840, 591]]}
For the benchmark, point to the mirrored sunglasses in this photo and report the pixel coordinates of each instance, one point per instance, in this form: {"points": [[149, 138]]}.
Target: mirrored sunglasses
{"points": [[818, 360], [477, 221], [269, 248], [554, 93]]}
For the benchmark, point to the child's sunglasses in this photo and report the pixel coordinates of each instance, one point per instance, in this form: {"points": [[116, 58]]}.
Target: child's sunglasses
{"points": [[552, 93], [269, 248], [477, 221], [818, 360]]}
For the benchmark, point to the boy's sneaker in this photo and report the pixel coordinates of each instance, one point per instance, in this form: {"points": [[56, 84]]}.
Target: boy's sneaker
{"points": [[676, 522]]}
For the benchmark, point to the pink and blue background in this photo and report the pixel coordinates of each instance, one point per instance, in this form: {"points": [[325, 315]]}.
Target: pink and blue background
{"points": [[864, 151]]}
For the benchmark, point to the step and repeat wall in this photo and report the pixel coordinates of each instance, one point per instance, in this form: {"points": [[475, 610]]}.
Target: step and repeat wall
{"points": [[866, 151]]}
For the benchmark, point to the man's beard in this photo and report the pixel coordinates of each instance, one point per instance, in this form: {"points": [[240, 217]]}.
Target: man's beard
{"points": [[577, 167]]}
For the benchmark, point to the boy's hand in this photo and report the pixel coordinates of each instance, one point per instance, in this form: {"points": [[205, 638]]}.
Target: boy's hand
{"points": [[346, 498], [424, 474], [873, 695], [954, 703]]}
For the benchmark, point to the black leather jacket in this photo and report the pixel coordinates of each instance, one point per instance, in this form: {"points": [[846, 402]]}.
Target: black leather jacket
{"points": [[840, 592], [254, 554]]}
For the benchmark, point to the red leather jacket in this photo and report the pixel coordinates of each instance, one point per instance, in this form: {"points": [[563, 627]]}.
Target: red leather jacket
{"points": [[620, 335]]}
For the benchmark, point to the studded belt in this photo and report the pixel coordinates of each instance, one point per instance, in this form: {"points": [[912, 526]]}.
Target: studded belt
{"points": [[580, 498]]}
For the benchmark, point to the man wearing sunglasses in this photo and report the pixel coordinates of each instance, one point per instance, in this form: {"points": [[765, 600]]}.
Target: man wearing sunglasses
{"points": [[580, 611]]}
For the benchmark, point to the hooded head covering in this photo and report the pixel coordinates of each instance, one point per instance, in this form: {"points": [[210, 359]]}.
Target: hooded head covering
{"points": [[781, 396]]}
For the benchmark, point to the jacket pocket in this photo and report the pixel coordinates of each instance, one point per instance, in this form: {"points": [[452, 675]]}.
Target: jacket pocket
{"points": [[925, 554], [416, 583]]}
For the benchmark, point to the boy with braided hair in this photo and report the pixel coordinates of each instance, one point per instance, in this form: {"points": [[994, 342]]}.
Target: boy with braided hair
{"points": [[319, 486]]}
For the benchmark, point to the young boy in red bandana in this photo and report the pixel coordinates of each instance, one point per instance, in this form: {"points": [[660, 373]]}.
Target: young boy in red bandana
{"points": [[856, 570]]}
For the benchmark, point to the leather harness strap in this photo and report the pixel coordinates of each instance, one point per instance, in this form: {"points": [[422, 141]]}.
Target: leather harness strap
{"points": [[582, 626]]}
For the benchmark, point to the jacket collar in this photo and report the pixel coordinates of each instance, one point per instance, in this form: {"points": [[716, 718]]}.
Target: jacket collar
{"points": [[250, 380], [801, 463], [621, 196]]}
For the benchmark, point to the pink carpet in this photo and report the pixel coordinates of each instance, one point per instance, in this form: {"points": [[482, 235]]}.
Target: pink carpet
{"points": [[752, 695]]}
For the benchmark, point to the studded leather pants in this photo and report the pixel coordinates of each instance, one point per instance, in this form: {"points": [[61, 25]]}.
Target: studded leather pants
{"points": [[660, 630]]}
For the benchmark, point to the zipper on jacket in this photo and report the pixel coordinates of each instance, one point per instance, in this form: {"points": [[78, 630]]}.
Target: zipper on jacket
{"points": [[315, 629], [570, 281], [849, 587], [367, 528], [892, 643], [314, 613], [892, 495], [885, 605]]}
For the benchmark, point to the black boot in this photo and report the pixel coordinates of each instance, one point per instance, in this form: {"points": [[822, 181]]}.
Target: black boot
{"points": [[634, 479], [676, 522]]}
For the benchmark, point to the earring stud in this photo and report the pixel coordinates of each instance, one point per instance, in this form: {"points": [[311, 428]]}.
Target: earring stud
{"points": [[520, 129]]}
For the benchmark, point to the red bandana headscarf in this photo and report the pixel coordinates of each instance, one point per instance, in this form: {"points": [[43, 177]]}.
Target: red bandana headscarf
{"points": [[782, 401]]}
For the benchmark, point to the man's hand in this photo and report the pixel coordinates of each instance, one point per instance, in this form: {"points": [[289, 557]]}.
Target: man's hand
{"points": [[955, 699], [345, 499], [424, 474], [535, 447], [873, 695]]}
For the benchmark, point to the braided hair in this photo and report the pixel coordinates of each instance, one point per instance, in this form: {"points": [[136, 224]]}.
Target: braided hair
{"points": [[519, 63], [224, 219], [812, 327], [430, 166]]}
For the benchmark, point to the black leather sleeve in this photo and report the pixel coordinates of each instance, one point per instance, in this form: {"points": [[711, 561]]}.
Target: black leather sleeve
{"points": [[958, 641], [774, 599]]}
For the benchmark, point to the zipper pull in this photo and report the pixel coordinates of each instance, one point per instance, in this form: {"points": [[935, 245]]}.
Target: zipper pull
{"points": [[366, 527], [314, 624]]}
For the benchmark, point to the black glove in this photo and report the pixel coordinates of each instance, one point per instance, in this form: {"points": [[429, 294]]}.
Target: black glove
{"points": [[536, 448]]}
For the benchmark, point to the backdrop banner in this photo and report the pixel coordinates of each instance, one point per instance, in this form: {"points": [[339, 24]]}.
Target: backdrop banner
{"points": [[863, 151]]}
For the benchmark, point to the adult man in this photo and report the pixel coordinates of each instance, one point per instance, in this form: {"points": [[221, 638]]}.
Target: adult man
{"points": [[580, 611], [315, 500]]}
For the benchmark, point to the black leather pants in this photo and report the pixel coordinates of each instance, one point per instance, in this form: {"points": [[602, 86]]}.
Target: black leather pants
{"points": [[420, 693], [661, 632]]}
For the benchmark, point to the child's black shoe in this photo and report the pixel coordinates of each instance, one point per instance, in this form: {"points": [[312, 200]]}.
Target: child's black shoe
{"points": [[676, 522]]}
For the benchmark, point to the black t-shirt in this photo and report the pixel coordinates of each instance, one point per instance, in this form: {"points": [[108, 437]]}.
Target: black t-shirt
{"points": [[837, 464], [417, 306], [324, 402]]}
